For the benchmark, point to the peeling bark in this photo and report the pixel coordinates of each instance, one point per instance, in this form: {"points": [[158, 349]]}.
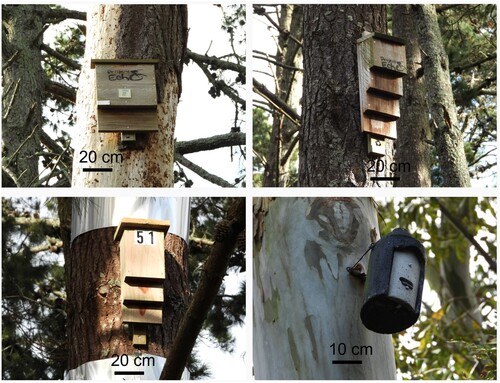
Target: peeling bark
{"points": [[304, 299]]}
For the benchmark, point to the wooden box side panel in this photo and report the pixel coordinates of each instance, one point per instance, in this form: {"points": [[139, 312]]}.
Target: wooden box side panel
{"points": [[139, 80]]}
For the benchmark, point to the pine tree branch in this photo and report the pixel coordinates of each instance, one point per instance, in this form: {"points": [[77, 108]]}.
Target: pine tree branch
{"points": [[274, 62], [55, 148], [276, 102], [60, 90], [221, 85], [460, 69], [462, 229], [210, 143], [283, 32], [201, 241], [9, 179], [31, 220], [58, 55], [289, 151], [202, 172], [446, 7], [10, 61], [215, 268], [215, 61], [56, 15]]}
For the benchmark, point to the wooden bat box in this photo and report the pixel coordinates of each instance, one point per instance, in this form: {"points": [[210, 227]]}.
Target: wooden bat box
{"points": [[142, 268], [126, 95], [381, 66]]}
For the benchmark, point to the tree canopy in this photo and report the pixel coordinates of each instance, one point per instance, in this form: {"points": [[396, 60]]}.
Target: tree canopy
{"points": [[455, 336]]}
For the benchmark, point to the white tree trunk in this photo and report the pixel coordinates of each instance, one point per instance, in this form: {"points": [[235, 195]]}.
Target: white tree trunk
{"points": [[305, 300], [155, 34]]}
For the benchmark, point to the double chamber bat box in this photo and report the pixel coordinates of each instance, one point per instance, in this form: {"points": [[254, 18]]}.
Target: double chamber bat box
{"points": [[142, 269], [381, 66], [126, 95]]}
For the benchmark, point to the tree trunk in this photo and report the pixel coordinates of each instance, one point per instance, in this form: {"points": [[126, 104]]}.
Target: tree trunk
{"points": [[288, 53], [455, 268], [92, 267], [413, 125], [447, 135], [304, 299], [23, 84], [132, 32], [333, 150]]}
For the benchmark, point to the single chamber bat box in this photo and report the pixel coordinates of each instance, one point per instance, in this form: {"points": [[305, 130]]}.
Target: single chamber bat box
{"points": [[126, 95], [142, 268], [394, 283], [381, 66]]}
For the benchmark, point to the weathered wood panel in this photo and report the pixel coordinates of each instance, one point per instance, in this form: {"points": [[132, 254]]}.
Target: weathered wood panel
{"points": [[126, 85]]}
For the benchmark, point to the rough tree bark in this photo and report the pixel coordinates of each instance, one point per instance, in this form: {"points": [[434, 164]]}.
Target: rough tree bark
{"points": [[23, 83], [304, 299], [447, 135], [133, 32], [289, 53], [413, 129], [95, 328], [332, 149]]}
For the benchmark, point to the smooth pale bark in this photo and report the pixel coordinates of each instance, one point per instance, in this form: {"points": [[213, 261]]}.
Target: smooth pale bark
{"points": [[447, 135], [304, 299], [23, 85], [287, 89], [132, 31], [332, 149], [413, 126]]}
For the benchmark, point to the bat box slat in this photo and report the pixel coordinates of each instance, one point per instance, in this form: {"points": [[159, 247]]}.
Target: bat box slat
{"points": [[127, 120], [386, 85], [381, 108], [142, 315], [378, 127], [147, 296]]}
